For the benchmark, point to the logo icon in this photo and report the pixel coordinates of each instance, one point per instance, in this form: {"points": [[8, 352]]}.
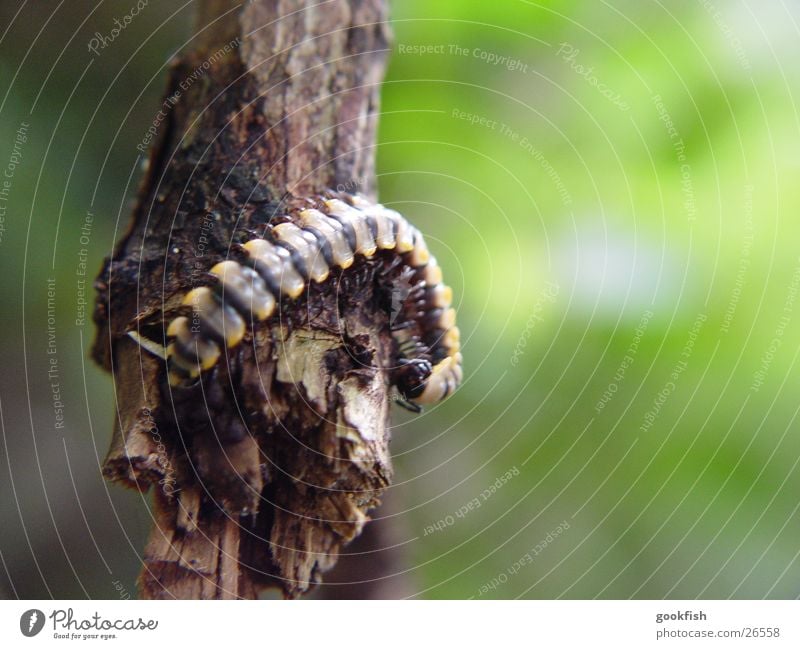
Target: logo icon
{"points": [[31, 622]]}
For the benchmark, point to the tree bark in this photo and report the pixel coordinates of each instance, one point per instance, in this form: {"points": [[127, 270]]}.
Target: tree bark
{"points": [[277, 100]]}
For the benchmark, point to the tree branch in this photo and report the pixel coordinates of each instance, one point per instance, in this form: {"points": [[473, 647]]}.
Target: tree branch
{"points": [[277, 100]]}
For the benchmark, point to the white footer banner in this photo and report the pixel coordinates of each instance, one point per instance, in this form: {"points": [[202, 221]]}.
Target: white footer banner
{"points": [[379, 624]]}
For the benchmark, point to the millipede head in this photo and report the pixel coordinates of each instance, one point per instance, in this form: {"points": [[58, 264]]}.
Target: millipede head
{"points": [[411, 375]]}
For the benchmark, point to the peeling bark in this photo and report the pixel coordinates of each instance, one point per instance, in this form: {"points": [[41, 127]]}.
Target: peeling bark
{"points": [[277, 100]]}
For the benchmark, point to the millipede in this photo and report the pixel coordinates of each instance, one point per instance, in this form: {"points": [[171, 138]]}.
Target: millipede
{"points": [[328, 233]]}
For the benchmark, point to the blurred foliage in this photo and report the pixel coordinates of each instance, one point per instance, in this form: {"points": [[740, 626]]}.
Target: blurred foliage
{"points": [[558, 186]]}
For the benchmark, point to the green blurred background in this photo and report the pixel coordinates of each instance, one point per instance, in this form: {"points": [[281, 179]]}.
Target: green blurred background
{"points": [[612, 190]]}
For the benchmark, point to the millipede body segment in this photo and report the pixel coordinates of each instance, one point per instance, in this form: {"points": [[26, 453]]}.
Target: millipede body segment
{"points": [[329, 233]]}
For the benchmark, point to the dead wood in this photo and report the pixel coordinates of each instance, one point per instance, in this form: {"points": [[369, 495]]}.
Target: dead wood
{"points": [[263, 479]]}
